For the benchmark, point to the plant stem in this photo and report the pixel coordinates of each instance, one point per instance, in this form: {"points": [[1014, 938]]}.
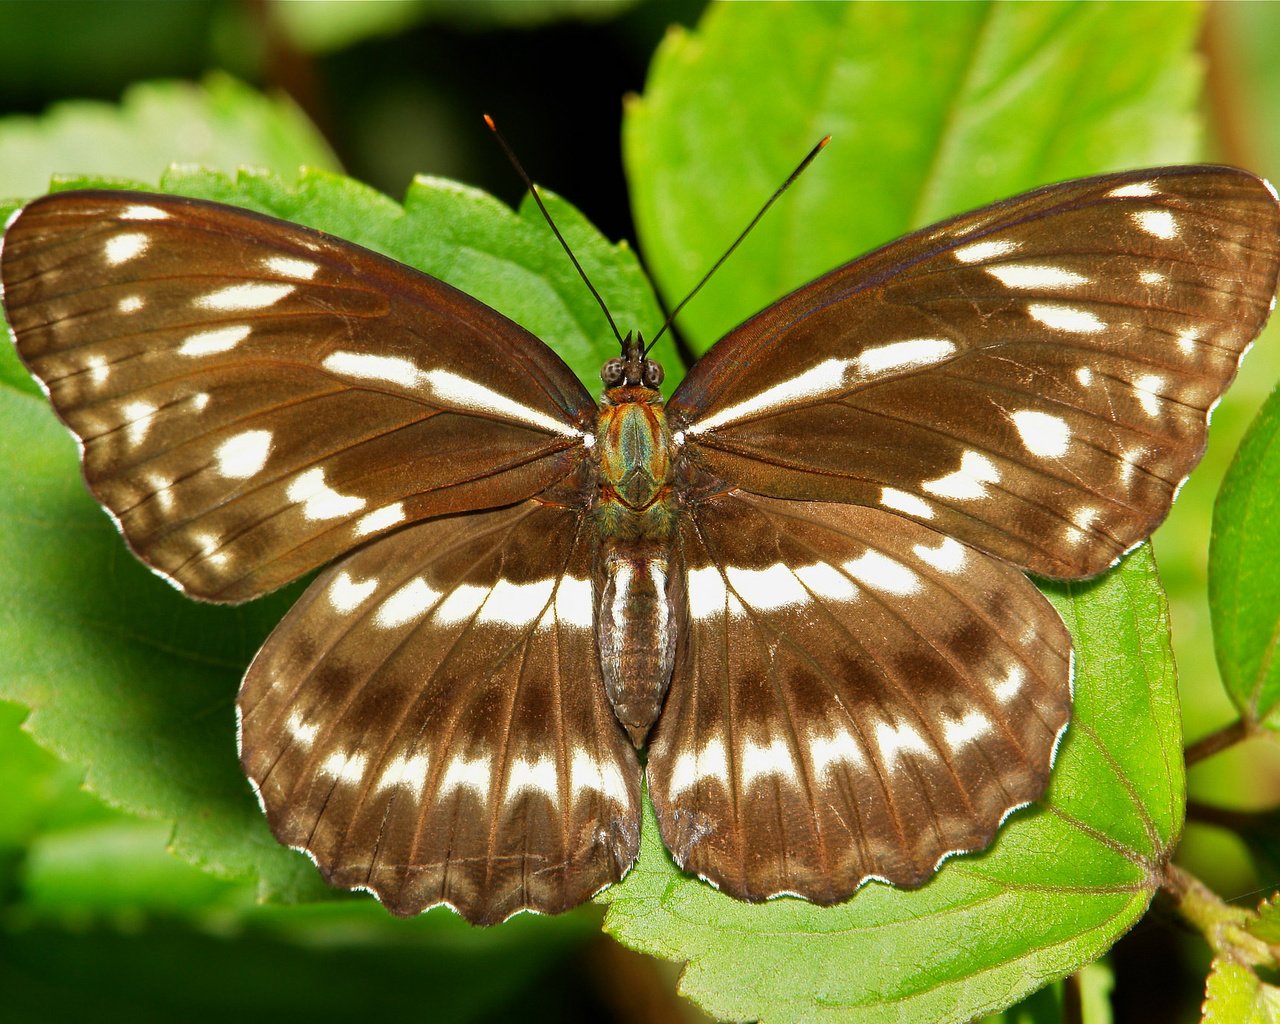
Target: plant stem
{"points": [[1223, 926], [1216, 742]]}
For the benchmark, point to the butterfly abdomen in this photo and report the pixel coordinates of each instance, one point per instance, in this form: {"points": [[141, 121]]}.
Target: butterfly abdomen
{"points": [[636, 626]]}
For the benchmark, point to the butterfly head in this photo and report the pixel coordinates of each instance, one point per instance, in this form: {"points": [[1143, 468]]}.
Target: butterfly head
{"points": [[631, 369]]}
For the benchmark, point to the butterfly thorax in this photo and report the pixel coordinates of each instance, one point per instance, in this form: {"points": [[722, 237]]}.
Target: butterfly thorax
{"points": [[635, 516]]}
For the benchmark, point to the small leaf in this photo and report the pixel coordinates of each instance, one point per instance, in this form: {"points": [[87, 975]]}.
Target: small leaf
{"points": [[1244, 588], [220, 124], [1063, 881], [1235, 995], [1267, 925]]}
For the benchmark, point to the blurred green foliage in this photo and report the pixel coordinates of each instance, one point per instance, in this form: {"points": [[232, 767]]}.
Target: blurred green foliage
{"points": [[934, 108]]}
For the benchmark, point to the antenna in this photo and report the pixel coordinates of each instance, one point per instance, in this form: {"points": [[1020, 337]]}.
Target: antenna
{"points": [[738, 241], [559, 237]]}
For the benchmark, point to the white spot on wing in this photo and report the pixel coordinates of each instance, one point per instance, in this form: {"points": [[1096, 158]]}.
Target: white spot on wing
{"points": [[251, 295], [516, 604], [1007, 688], [462, 603], [709, 598], [959, 733], [243, 455], [211, 342], [759, 761], [140, 211], [122, 248], [318, 499], [1084, 375], [825, 581], [573, 604], [464, 773], [98, 368], [949, 556], [1137, 190], [1035, 275], [365, 366], [967, 482], [899, 355], [139, 419], [1148, 388], [825, 752], [978, 252], [407, 773], [824, 379], [880, 572], [1157, 223], [410, 602], [344, 767], [1187, 338], [534, 776], [1065, 318], [1042, 434], [894, 741], [303, 734], [380, 519], [291, 266], [346, 594], [467, 394], [902, 501], [586, 774], [692, 768], [130, 304], [767, 589]]}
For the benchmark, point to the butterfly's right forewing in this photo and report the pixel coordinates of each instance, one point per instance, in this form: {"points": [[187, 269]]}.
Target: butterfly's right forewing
{"points": [[253, 399]]}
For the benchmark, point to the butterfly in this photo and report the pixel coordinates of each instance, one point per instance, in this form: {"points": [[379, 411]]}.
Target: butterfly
{"points": [[798, 585]]}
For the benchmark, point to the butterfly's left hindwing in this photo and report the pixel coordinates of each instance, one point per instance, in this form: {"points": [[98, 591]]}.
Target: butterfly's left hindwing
{"points": [[253, 399], [429, 721], [1032, 378]]}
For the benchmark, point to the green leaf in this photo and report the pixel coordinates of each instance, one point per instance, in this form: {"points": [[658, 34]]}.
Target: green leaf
{"points": [[1244, 589], [327, 962], [220, 124], [1235, 995], [321, 26], [1093, 982], [933, 108], [1267, 925], [134, 682], [1063, 881]]}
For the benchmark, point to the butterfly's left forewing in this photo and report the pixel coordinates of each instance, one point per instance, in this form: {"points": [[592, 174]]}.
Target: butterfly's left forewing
{"points": [[253, 399], [1032, 378], [429, 722]]}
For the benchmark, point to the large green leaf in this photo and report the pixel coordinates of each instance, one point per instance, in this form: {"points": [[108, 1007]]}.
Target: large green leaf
{"points": [[933, 108], [1244, 588], [1063, 881]]}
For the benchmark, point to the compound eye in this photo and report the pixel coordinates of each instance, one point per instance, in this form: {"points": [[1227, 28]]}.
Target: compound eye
{"points": [[652, 373], [612, 372]]}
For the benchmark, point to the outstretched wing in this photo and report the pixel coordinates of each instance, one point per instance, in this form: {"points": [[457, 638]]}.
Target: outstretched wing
{"points": [[857, 696], [1033, 378], [429, 722], [253, 398]]}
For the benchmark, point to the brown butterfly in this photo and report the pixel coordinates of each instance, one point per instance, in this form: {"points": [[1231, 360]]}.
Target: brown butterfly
{"points": [[799, 583]]}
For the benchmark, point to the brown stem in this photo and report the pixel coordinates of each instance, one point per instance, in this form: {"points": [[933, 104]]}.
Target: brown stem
{"points": [[1218, 741]]}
